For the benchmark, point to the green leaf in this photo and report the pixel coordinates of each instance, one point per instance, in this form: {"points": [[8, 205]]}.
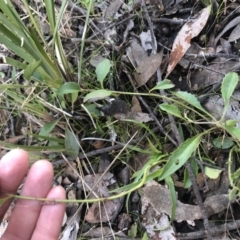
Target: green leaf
{"points": [[212, 172], [186, 179], [222, 142], [155, 158], [50, 14], [173, 194], [71, 144], [92, 109], [47, 128], [69, 87], [191, 99], [153, 148], [74, 97], [231, 123], [125, 187], [180, 156], [133, 231], [235, 176], [232, 194], [97, 95], [145, 236], [28, 72], [165, 84], [171, 109], [102, 70], [235, 132], [15, 63], [228, 85]]}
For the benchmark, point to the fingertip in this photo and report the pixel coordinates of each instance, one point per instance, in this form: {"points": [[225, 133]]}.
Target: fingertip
{"points": [[45, 167], [51, 217], [13, 167], [57, 192], [15, 155]]}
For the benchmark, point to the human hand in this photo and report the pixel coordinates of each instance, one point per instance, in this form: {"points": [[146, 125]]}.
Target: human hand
{"points": [[35, 221]]}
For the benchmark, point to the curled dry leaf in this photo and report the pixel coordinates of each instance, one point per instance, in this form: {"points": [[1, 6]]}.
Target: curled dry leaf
{"points": [[182, 42]]}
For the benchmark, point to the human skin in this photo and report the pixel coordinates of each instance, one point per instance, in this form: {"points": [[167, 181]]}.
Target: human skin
{"points": [[30, 219]]}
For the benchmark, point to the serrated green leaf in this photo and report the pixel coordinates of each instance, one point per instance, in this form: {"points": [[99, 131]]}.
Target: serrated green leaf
{"points": [[212, 172], [222, 142], [102, 70], [71, 144], [171, 109], [97, 95], [180, 156], [28, 72], [68, 87], [165, 84], [47, 128], [191, 99], [229, 83]]}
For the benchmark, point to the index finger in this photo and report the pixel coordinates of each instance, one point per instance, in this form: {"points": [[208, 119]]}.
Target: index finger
{"points": [[13, 168]]}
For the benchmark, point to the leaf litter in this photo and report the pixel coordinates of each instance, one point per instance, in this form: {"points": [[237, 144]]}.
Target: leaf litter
{"points": [[196, 47]]}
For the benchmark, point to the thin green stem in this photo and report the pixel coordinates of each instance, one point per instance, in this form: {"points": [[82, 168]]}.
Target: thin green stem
{"points": [[83, 41]]}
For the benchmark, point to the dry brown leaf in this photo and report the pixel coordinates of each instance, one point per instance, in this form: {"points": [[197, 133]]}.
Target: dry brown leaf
{"points": [[203, 78], [230, 25], [112, 9], [135, 53], [160, 199], [182, 42], [102, 232], [104, 211], [120, 110], [235, 34], [147, 68], [136, 107]]}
